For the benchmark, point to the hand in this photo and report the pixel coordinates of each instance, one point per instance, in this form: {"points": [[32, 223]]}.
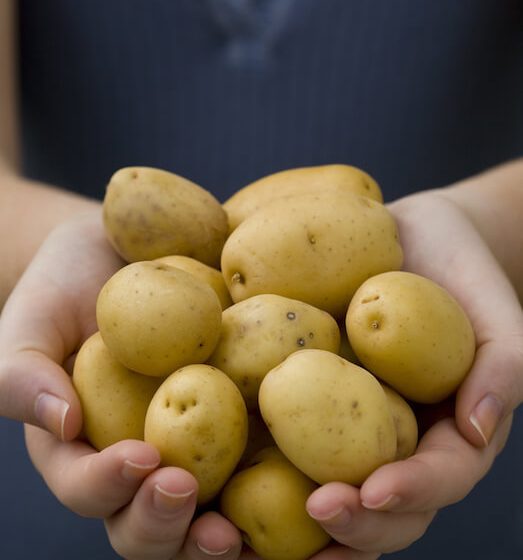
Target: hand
{"points": [[397, 502], [147, 510]]}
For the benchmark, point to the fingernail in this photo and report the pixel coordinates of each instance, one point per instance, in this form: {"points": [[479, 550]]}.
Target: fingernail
{"points": [[486, 416], [212, 552], [169, 502], [51, 412], [338, 517], [388, 502], [132, 471]]}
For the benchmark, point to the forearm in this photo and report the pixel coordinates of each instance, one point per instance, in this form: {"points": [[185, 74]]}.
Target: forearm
{"points": [[493, 201], [28, 212]]}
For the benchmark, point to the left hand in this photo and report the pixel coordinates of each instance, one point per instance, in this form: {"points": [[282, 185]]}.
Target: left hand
{"points": [[398, 501]]}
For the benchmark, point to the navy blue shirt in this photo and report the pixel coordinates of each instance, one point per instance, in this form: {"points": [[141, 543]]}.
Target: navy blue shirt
{"points": [[419, 94]]}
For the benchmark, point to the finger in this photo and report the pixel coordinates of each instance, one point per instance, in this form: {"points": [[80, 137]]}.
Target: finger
{"points": [[34, 388], [37, 391], [155, 523], [89, 483], [211, 535], [443, 471], [492, 390], [337, 507], [47, 316]]}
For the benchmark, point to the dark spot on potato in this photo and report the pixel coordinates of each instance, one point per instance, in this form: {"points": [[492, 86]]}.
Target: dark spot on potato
{"points": [[368, 299], [375, 324], [167, 403], [197, 458], [291, 315], [355, 404], [300, 342], [311, 335]]}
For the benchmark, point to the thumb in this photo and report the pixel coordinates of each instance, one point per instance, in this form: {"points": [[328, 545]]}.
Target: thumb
{"points": [[492, 390], [37, 334], [35, 390]]}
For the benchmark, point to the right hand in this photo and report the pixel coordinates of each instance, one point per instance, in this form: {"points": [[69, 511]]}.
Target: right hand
{"points": [[147, 510]]}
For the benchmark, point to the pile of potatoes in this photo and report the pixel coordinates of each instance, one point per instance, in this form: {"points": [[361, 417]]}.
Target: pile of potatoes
{"points": [[267, 345]]}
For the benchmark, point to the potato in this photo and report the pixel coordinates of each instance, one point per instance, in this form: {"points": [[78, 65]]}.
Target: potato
{"points": [[260, 332], [313, 248], [212, 276], [404, 422], [299, 181], [329, 417], [412, 334], [267, 503], [114, 399], [198, 421], [149, 213], [155, 318]]}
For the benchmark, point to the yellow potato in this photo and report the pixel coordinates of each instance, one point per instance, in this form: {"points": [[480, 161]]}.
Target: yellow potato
{"points": [[267, 503], [155, 318], [299, 181], [260, 332], [412, 334], [329, 417], [149, 213], [114, 399], [313, 248], [198, 421], [212, 276], [405, 423]]}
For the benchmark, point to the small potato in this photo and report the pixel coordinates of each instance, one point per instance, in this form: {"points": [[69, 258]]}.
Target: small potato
{"points": [[267, 503], [299, 181], [212, 276], [314, 248], [149, 213], [404, 422], [114, 399], [155, 318], [198, 421], [260, 332], [412, 334], [329, 417]]}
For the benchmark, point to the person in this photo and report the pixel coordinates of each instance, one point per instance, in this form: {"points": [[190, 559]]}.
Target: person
{"points": [[224, 92]]}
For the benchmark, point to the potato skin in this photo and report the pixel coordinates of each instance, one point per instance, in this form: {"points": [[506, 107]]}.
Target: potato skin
{"points": [[114, 399], [313, 248], [411, 333], [212, 276], [198, 421], [267, 503], [329, 417], [149, 213], [260, 332], [155, 318], [405, 423], [299, 181]]}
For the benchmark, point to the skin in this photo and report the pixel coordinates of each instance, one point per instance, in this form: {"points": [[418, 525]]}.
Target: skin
{"points": [[122, 484]]}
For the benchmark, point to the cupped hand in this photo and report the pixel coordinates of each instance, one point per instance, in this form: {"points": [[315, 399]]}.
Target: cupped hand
{"points": [[397, 503], [148, 511]]}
